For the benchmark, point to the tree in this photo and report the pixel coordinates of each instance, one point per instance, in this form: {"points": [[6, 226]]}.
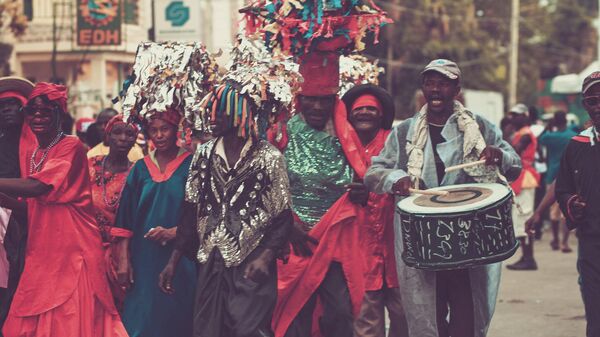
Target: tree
{"points": [[12, 22], [430, 29], [476, 34]]}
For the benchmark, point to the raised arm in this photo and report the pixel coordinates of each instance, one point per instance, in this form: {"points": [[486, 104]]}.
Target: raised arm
{"points": [[510, 165], [384, 171]]}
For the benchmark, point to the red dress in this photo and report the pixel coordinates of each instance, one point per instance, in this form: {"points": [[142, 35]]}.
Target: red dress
{"points": [[63, 290], [106, 194], [350, 234], [529, 177]]}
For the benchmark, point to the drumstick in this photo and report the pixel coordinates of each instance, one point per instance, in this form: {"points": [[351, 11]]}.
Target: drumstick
{"points": [[428, 192], [462, 166]]}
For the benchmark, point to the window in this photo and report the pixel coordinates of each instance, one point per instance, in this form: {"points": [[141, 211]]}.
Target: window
{"points": [[131, 12], [28, 9]]}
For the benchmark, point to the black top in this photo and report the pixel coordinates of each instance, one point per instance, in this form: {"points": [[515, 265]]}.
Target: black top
{"points": [[9, 160], [435, 134], [578, 174]]}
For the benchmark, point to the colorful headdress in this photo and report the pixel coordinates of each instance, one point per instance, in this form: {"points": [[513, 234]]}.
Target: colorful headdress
{"points": [[256, 89], [169, 76], [299, 26], [357, 69]]}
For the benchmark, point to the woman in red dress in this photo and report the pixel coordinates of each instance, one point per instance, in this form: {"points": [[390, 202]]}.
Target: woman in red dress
{"points": [[63, 290], [108, 174]]}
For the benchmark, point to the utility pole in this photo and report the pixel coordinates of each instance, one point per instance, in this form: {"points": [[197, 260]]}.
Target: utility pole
{"points": [[514, 53], [54, 42]]}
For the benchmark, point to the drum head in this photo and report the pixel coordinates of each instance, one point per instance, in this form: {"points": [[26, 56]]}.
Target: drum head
{"points": [[461, 198]]}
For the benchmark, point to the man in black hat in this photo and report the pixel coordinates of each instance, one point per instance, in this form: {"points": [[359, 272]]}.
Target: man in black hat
{"points": [[371, 113], [460, 302], [13, 95], [578, 195]]}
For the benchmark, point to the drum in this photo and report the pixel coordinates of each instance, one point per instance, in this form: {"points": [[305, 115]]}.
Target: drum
{"points": [[470, 226]]}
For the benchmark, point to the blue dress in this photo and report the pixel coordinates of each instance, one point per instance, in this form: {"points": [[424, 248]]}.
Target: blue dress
{"points": [[150, 199]]}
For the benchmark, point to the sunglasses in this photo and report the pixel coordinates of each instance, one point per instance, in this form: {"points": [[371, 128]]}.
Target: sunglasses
{"points": [[591, 100], [31, 110]]}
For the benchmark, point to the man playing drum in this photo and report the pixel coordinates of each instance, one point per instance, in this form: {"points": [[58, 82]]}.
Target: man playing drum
{"points": [[457, 303]]}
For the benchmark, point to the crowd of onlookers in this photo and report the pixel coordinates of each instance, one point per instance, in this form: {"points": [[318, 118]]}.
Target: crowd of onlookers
{"points": [[541, 149]]}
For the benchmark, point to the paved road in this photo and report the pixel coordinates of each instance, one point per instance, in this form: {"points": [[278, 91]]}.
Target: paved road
{"points": [[542, 303]]}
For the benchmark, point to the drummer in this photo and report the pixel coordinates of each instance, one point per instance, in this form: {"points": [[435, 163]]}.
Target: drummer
{"points": [[416, 155]]}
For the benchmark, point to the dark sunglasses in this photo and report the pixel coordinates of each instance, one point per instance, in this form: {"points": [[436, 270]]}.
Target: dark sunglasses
{"points": [[31, 110], [591, 100]]}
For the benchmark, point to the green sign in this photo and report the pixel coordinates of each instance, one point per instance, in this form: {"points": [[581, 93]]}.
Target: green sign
{"points": [[99, 22]]}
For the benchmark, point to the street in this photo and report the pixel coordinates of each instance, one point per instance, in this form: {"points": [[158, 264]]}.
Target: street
{"points": [[542, 303]]}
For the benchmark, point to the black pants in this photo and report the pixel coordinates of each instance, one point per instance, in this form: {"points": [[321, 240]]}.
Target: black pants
{"points": [[228, 305], [15, 242], [588, 264], [454, 296], [337, 319]]}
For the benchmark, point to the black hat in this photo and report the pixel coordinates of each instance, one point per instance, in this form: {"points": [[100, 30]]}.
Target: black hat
{"points": [[386, 100]]}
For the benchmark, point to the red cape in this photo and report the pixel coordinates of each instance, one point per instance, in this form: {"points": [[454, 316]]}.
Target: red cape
{"points": [[338, 236]]}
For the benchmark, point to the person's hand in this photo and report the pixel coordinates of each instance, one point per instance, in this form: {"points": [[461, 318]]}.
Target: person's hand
{"points": [[300, 240], [161, 234], [577, 207], [402, 186], [165, 278], [492, 156], [124, 273], [358, 193], [530, 224], [258, 269]]}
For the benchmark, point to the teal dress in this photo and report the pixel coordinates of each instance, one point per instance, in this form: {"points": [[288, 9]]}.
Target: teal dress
{"points": [[150, 199]]}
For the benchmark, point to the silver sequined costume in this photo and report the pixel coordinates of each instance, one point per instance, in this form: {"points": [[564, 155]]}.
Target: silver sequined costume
{"points": [[236, 206]]}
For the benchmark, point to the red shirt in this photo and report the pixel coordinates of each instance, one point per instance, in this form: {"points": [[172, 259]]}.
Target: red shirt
{"points": [[106, 191], [64, 241]]}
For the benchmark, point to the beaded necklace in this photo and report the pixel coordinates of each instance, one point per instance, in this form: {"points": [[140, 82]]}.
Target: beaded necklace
{"points": [[103, 181], [36, 167]]}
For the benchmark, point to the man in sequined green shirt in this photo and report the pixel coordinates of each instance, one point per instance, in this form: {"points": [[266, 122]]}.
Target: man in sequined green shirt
{"points": [[317, 168], [319, 175]]}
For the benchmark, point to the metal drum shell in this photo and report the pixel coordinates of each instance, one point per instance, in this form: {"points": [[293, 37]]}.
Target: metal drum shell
{"points": [[409, 257]]}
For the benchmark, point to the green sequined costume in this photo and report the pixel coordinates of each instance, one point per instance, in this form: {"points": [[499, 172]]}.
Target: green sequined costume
{"points": [[317, 168]]}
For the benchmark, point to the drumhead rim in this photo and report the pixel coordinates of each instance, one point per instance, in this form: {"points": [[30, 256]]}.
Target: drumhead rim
{"points": [[452, 209], [495, 204]]}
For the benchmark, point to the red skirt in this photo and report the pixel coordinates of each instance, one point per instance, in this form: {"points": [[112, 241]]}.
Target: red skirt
{"points": [[81, 315]]}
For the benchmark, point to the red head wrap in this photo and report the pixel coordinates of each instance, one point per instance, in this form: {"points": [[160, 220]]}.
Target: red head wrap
{"points": [[171, 116], [367, 100], [14, 94], [321, 72], [116, 120], [55, 93]]}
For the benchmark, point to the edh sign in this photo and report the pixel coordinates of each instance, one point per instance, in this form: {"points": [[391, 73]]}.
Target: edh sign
{"points": [[99, 22]]}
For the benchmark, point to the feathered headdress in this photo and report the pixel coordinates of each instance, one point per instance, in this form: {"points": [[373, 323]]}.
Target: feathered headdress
{"points": [[357, 69], [169, 76], [300, 26]]}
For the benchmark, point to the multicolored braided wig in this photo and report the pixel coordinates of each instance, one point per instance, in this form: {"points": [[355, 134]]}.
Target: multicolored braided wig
{"points": [[257, 88], [226, 102]]}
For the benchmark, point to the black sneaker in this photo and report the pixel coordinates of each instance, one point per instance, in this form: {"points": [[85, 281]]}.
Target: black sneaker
{"points": [[523, 264]]}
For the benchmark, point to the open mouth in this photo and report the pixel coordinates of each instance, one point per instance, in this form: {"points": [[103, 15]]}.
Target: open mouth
{"points": [[436, 102]]}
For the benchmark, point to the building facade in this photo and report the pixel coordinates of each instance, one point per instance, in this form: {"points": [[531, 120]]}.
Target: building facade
{"points": [[94, 74]]}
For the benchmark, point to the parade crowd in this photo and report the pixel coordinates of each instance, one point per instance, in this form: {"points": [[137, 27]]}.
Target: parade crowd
{"points": [[261, 225]]}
